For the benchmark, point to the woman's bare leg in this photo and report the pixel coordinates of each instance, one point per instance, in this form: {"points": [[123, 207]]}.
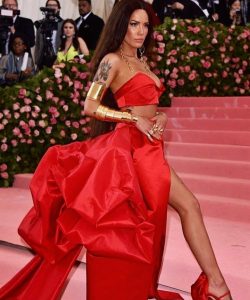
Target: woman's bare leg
{"points": [[187, 206]]}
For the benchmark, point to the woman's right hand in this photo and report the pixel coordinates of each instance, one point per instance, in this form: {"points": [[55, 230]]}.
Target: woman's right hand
{"points": [[145, 125]]}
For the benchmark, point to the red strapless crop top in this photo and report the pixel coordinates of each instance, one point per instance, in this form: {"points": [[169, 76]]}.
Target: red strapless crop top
{"points": [[140, 89]]}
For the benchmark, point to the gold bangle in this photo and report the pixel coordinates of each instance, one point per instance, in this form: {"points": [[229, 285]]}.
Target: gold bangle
{"points": [[106, 114], [97, 91]]}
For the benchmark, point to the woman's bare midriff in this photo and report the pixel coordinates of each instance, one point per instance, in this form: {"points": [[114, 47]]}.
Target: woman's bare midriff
{"points": [[147, 111]]}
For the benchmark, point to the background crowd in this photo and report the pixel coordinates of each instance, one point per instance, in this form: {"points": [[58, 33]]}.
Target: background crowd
{"points": [[27, 45]]}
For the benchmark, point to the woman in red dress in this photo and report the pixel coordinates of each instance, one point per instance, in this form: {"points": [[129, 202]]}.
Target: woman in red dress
{"points": [[111, 193]]}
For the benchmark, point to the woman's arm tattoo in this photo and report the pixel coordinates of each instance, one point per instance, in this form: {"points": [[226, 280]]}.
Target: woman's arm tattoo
{"points": [[103, 71]]}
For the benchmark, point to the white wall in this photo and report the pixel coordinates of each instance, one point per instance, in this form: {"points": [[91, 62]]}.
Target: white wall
{"points": [[30, 8]]}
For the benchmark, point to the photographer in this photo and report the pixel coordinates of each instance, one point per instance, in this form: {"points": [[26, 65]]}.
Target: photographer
{"points": [[48, 37], [15, 24]]}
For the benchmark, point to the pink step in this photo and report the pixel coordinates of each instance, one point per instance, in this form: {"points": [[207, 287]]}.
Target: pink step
{"points": [[22, 181], [206, 136], [212, 167], [203, 150], [219, 186], [208, 124], [207, 112], [230, 209], [235, 101]]}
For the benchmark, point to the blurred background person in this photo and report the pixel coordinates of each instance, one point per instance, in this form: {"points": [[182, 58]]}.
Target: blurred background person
{"points": [[17, 25], [71, 45], [18, 64], [238, 11], [89, 25], [183, 9], [48, 36]]}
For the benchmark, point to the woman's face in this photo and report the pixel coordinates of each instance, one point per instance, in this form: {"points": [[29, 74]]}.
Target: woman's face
{"points": [[137, 29], [235, 5], [68, 29]]}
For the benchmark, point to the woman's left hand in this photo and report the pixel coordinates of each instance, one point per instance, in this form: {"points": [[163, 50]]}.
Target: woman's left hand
{"points": [[160, 122]]}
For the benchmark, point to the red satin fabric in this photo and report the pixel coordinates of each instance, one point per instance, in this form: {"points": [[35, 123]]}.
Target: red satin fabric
{"points": [[140, 89], [109, 194]]}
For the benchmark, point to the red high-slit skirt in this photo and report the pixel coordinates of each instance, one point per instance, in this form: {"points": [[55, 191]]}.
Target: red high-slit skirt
{"points": [[109, 194]]}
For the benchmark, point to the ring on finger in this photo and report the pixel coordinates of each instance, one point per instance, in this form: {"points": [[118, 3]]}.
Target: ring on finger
{"points": [[151, 131]]}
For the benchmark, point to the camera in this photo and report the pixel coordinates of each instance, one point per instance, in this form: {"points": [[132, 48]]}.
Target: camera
{"points": [[46, 27], [49, 22], [6, 21]]}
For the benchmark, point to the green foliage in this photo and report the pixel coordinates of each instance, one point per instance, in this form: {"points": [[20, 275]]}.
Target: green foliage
{"points": [[44, 110], [200, 58]]}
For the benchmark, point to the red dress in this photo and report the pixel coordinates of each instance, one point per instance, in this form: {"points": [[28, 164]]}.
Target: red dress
{"points": [[109, 194]]}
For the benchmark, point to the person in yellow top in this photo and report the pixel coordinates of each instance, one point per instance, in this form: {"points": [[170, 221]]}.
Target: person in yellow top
{"points": [[71, 45]]}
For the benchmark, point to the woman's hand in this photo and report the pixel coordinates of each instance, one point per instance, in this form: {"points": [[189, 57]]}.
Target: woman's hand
{"points": [[152, 128], [12, 76], [145, 125], [160, 122]]}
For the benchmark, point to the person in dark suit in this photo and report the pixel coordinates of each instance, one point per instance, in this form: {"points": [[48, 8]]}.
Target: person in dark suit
{"points": [[20, 25], [89, 25], [48, 36]]}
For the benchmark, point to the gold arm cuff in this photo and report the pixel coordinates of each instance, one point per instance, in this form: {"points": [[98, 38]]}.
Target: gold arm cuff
{"points": [[107, 114], [97, 91]]}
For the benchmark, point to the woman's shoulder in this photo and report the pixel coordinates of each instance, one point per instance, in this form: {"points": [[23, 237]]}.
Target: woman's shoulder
{"points": [[112, 59]]}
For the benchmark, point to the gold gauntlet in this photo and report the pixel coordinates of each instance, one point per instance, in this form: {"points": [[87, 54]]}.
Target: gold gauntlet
{"points": [[97, 91], [107, 114]]}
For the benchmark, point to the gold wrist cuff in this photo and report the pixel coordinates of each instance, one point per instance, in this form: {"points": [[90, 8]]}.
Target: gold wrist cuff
{"points": [[106, 114], [97, 91]]}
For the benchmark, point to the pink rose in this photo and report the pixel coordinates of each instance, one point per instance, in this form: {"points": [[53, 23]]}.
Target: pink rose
{"points": [[16, 131], [36, 132], [62, 133], [27, 101], [4, 147], [181, 82], [3, 167], [73, 136], [48, 130], [208, 74], [42, 123], [5, 175], [39, 98], [159, 37], [49, 94], [224, 74], [14, 143], [206, 64], [32, 123], [16, 106], [192, 76], [22, 93]]}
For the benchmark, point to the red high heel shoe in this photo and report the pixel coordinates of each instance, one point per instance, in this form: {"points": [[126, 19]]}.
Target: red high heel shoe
{"points": [[199, 290]]}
